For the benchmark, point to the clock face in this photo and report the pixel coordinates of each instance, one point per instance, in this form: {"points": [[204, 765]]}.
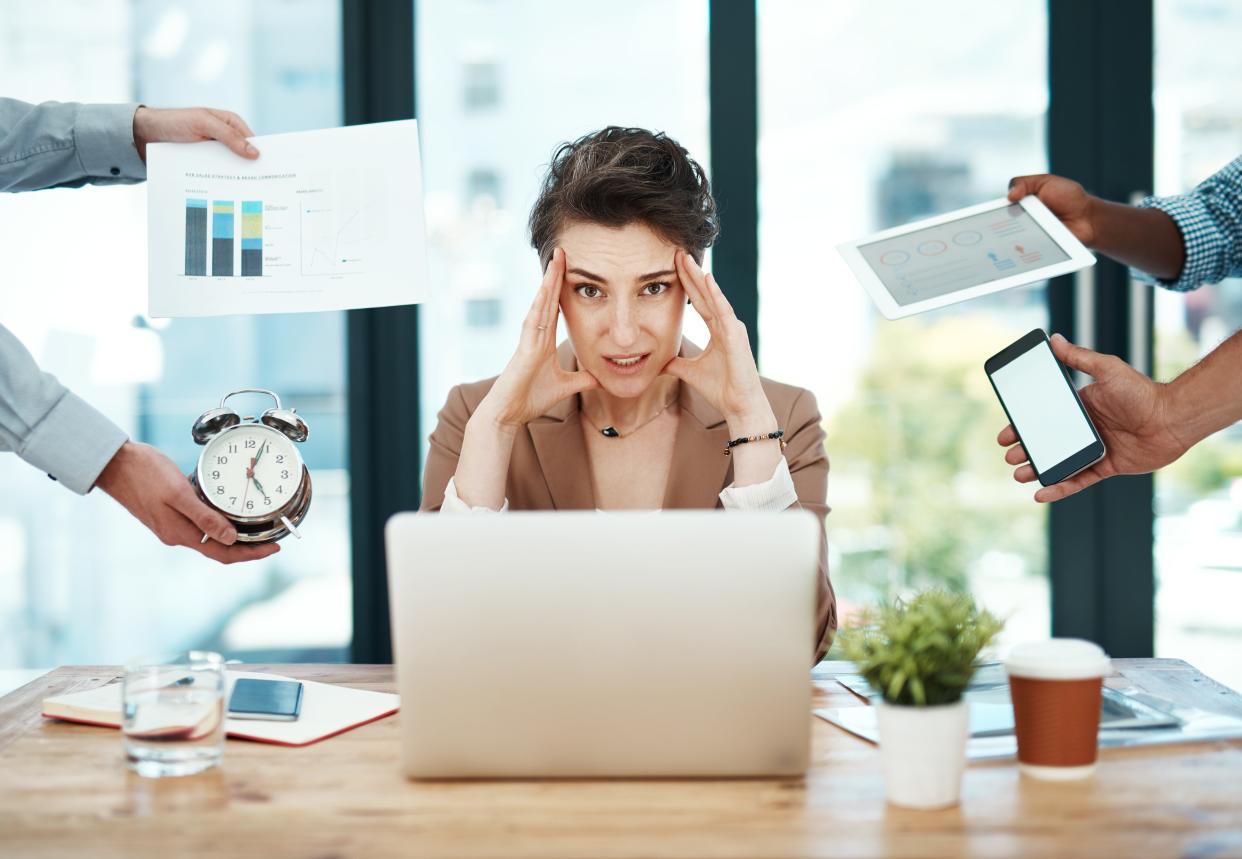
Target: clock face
{"points": [[250, 471]]}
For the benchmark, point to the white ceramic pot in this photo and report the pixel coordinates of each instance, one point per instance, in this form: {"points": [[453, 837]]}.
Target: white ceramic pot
{"points": [[923, 753]]}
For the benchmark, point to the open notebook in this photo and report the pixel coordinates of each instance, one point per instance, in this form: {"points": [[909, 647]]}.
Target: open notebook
{"points": [[327, 710]]}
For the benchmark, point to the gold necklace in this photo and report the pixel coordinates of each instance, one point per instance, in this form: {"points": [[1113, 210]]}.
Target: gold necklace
{"points": [[611, 431]]}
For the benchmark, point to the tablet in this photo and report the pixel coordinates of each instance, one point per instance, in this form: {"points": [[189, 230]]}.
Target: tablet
{"points": [[962, 255]]}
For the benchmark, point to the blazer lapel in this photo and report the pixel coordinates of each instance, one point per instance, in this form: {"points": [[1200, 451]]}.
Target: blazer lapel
{"points": [[557, 438], [700, 468]]}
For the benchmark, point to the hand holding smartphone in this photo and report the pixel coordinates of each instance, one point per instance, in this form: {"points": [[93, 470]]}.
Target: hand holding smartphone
{"points": [[1045, 410]]}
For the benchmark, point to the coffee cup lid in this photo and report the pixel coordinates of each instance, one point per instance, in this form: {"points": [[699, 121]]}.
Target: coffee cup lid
{"points": [[1058, 659]]}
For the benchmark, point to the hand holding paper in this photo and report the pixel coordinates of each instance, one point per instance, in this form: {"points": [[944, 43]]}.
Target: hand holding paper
{"points": [[192, 125]]}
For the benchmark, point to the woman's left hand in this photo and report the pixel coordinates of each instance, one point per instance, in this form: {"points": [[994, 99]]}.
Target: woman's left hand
{"points": [[725, 372]]}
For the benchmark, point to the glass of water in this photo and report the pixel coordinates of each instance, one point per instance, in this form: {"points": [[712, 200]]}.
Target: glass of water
{"points": [[173, 714]]}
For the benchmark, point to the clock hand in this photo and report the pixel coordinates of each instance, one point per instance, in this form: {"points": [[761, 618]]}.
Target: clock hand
{"points": [[249, 477], [254, 464]]}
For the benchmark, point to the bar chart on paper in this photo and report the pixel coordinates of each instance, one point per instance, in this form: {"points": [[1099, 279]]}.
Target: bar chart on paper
{"points": [[330, 238], [308, 226], [221, 237], [195, 237], [252, 238]]}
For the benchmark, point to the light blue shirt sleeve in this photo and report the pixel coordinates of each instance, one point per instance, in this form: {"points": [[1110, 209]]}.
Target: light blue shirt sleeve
{"points": [[67, 145], [57, 145], [49, 426], [1210, 220]]}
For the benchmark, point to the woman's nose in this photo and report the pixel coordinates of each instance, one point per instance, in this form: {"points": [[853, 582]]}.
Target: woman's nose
{"points": [[624, 328]]}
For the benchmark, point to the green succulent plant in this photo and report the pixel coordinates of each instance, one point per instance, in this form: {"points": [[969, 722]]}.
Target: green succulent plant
{"points": [[922, 651]]}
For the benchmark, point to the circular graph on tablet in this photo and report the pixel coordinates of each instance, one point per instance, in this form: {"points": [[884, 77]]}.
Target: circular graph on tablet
{"points": [[894, 258], [933, 248], [967, 237]]}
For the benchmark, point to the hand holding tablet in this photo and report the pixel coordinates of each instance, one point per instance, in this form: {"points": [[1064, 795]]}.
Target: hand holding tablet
{"points": [[974, 251]]}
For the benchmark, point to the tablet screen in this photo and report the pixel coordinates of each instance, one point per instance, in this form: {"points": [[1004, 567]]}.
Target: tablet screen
{"points": [[970, 251]]}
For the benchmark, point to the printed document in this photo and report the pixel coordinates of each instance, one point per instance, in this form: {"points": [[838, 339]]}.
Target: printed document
{"points": [[322, 220]]}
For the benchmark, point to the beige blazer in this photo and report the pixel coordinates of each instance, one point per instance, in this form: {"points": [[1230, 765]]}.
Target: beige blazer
{"points": [[549, 469]]}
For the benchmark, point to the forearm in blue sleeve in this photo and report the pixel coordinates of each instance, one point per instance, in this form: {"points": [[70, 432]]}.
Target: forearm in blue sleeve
{"points": [[1210, 220], [49, 426], [67, 145]]}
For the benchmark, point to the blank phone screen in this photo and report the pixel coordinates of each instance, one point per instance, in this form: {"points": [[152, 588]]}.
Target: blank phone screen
{"points": [[1042, 407]]}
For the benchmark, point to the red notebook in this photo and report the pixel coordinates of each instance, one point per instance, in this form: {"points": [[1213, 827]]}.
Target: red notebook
{"points": [[327, 710]]}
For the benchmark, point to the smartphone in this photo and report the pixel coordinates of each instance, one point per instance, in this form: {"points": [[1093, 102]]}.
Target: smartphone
{"points": [[278, 700], [1037, 394]]}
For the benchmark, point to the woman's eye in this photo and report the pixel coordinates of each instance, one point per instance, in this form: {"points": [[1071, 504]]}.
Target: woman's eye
{"points": [[656, 288], [587, 291]]}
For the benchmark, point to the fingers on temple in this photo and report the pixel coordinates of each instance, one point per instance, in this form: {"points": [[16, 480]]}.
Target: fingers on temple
{"points": [[538, 305], [695, 284], [553, 279], [719, 302]]}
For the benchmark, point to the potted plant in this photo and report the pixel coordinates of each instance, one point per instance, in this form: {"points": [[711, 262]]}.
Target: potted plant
{"points": [[919, 655]]}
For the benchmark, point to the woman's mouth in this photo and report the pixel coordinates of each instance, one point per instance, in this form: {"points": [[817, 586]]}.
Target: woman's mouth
{"points": [[626, 365]]}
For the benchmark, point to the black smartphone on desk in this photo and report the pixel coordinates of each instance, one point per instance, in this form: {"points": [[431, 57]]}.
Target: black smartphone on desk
{"points": [[276, 700], [1039, 398]]}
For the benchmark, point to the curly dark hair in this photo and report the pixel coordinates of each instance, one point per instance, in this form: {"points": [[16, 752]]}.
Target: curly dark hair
{"points": [[618, 176]]}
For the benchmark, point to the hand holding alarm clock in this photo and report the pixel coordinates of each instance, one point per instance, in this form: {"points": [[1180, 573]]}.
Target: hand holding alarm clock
{"points": [[250, 469]]}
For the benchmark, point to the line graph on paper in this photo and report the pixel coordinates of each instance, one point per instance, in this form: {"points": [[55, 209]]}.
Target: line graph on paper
{"points": [[333, 235]]}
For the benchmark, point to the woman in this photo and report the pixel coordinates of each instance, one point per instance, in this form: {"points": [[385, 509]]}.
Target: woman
{"points": [[625, 414]]}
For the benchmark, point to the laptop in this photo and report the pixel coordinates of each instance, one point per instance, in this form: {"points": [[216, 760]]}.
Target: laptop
{"points": [[586, 644]]}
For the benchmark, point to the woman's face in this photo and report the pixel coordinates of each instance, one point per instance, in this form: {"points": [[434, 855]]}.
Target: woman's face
{"points": [[623, 303]]}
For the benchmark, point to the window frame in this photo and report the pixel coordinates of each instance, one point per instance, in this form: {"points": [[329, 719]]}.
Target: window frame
{"points": [[1100, 132]]}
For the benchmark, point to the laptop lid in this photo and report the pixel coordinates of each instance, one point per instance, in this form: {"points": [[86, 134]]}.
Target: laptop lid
{"points": [[585, 644]]}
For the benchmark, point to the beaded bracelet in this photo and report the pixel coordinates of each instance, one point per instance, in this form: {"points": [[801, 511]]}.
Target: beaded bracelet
{"points": [[772, 436]]}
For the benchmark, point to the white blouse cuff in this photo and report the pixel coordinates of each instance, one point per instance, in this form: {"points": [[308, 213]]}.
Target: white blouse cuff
{"points": [[453, 503], [775, 494]]}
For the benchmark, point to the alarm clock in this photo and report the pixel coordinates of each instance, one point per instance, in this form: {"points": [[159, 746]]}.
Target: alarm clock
{"points": [[250, 469]]}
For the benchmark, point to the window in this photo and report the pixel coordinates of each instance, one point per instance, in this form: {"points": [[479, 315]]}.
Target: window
{"points": [[112, 591], [865, 124], [1199, 497], [482, 86], [480, 256], [483, 188], [483, 312]]}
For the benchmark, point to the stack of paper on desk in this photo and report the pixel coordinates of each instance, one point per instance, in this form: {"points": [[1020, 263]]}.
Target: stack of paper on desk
{"points": [[327, 710]]}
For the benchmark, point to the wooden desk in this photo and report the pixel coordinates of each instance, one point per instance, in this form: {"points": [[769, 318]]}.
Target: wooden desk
{"points": [[64, 791]]}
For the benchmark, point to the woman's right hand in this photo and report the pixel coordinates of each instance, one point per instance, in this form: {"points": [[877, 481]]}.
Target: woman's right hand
{"points": [[1065, 198], [533, 381]]}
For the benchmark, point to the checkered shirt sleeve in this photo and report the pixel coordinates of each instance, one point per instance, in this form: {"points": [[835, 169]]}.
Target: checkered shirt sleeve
{"points": [[1210, 218]]}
